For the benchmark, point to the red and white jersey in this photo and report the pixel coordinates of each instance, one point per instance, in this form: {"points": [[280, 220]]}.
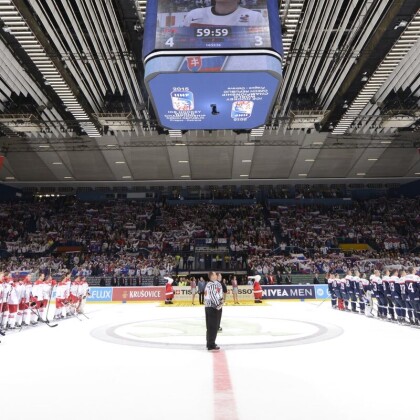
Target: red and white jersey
{"points": [[62, 290], [84, 288], [46, 290], [6, 288], [27, 292], [75, 288], [37, 289], [15, 294]]}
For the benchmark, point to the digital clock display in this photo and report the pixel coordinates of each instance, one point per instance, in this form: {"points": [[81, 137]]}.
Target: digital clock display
{"points": [[212, 32], [181, 26]]}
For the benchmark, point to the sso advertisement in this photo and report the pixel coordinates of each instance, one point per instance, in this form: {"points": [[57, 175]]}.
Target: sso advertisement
{"points": [[184, 293], [289, 292], [127, 294]]}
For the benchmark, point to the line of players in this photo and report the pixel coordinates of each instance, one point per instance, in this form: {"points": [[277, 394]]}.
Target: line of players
{"points": [[24, 303], [397, 294]]}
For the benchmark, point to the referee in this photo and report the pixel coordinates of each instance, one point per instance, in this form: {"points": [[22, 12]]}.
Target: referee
{"points": [[213, 301]]}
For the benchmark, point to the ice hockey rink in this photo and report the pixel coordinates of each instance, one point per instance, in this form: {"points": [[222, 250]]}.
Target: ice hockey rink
{"points": [[282, 360]]}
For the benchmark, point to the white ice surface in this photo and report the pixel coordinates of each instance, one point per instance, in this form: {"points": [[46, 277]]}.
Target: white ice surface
{"points": [[368, 372]]}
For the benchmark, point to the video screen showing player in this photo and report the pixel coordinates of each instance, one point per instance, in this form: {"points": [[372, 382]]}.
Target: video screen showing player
{"points": [[224, 13], [219, 24]]}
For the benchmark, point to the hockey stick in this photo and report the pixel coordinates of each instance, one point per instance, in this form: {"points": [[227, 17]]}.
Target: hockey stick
{"points": [[44, 322], [49, 301]]}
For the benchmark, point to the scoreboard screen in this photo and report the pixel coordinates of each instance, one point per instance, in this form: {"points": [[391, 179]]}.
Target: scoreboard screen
{"points": [[212, 64], [183, 25]]}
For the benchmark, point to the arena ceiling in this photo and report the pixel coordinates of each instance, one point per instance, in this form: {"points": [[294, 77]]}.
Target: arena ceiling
{"points": [[73, 107]]}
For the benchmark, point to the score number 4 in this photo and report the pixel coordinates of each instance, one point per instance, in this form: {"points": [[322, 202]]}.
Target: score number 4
{"points": [[258, 42]]}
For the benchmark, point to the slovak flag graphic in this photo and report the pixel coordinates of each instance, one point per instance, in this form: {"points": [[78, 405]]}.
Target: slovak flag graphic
{"points": [[194, 63]]}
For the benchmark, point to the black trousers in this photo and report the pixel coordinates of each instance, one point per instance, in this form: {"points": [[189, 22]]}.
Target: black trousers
{"points": [[212, 325], [201, 298]]}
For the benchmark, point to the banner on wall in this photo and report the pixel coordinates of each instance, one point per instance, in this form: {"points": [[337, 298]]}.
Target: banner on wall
{"points": [[129, 294], [244, 293], [289, 292]]}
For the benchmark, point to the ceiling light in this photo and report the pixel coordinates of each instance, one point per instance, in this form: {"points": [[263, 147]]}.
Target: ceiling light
{"points": [[68, 177], [183, 161], [44, 146], [302, 174], [372, 159], [126, 177], [244, 176], [119, 163], [185, 176], [416, 173], [111, 145], [360, 174], [57, 163], [309, 160], [10, 178], [386, 142], [247, 161], [180, 144]]}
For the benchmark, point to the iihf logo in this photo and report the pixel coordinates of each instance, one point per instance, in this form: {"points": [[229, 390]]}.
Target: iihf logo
{"points": [[194, 63], [244, 19]]}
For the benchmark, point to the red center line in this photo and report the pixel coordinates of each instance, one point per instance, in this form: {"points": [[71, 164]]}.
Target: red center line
{"points": [[224, 399]]}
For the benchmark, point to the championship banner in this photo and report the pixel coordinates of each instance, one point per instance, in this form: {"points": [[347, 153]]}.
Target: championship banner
{"points": [[1, 162], [289, 292], [136, 294]]}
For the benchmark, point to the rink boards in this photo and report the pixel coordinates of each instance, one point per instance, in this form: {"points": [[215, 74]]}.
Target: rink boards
{"points": [[144, 294]]}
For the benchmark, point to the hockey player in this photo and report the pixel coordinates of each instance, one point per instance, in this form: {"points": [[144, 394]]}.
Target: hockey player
{"points": [[4, 299], [378, 293], [24, 313], [350, 286], [36, 299], [61, 299], [336, 284], [394, 283], [365, 284], [387, 294], [257, 288], [330, 280], [169, 291], [344, 293], [358, 291], [83, 293], [13, 301], [412, 295], [47, 287], [74, 295]]}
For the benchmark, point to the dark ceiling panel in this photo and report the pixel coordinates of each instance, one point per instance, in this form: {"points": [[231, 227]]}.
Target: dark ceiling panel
{"points": [[28, 166], [335, 163], [148, 162], [273, 161], [211, 162]]}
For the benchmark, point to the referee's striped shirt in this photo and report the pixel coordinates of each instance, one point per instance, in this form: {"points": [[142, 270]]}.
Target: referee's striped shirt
{"points": [[213, 294]]}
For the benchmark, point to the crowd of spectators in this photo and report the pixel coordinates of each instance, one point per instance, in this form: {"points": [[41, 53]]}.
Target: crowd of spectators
{"points": [[153, 238], [383, 224]]}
